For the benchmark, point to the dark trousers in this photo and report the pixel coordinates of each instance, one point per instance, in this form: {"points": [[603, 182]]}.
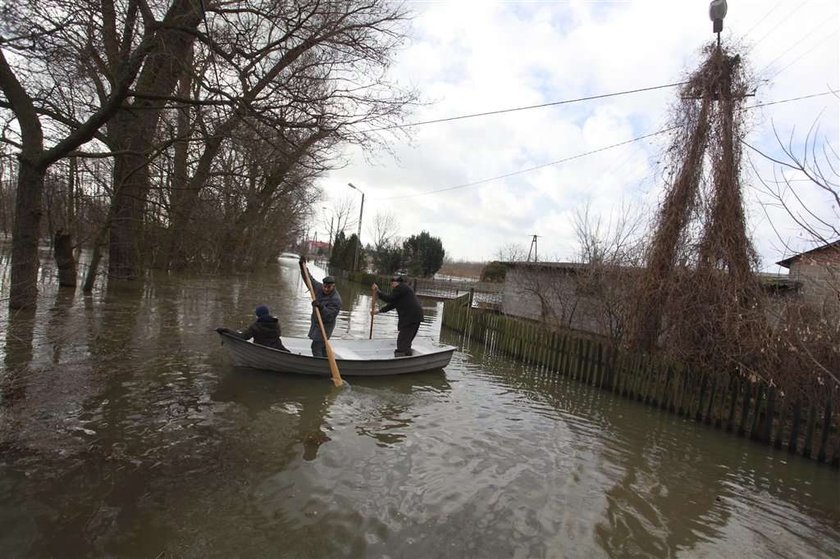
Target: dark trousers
{"points": [[319, 349], [404, 339]]}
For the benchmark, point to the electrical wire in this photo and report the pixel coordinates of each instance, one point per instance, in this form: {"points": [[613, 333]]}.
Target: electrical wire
{"points": [[795, 60], [829, 92], [802, 39], [781, 21], [591, 152], [760, 21], [528, 107], [529, 169]]}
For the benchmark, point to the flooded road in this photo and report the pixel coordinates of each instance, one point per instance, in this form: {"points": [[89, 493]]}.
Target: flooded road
{"points": [[125, 431]]}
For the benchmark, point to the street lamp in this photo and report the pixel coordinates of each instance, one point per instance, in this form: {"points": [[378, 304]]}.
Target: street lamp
{"points": [[359, 234]]}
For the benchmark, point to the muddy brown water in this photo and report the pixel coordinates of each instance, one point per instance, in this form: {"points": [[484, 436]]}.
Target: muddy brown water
{"points": [[125, 432]]}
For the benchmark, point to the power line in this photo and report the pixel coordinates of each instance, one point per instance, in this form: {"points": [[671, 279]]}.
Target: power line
{"points": [[591, 152], [529, 169], [785, 19], [805, 37], [757, 23], [795, 60], [528, 107], [829, 92]]}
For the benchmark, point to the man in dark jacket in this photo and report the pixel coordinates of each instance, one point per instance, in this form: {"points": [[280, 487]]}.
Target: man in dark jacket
{"points": [[265, 330], [328, 302], [409, 313]]}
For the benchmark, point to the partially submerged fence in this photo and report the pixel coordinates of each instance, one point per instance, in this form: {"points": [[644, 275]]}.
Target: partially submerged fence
{"points": [[809, 426], [484, 294]]}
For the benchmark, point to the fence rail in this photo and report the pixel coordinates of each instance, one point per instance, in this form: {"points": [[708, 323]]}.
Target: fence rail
{"points": [[808, 426], [485, 294]]}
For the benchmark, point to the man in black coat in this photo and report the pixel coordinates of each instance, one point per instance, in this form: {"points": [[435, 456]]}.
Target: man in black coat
{"points": [[409, 313]]}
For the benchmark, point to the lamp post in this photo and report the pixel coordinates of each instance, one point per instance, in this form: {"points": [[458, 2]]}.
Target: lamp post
{"points": [[359, 234]]}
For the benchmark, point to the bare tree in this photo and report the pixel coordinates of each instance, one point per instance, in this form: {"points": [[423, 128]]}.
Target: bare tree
{"points": [[55, 115], [384, 230], [511, 253], [164, 86], [618, 241], [610, 252], [311, 72], [341, 214], [805, 185]]}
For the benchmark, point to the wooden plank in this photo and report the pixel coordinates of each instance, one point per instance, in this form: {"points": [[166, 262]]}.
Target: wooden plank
{"points": [[769, 416], [796, 423], [757, 408], [809, 430], [826, 429], [783, 405], [734, 388], [745, 406], [698, 410]]}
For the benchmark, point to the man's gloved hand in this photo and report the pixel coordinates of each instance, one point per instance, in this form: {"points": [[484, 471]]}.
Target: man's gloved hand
{"points": [[302, 259], [316, 305]]}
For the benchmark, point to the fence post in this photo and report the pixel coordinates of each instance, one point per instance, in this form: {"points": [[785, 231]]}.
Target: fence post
{"points": [[826, 428]]}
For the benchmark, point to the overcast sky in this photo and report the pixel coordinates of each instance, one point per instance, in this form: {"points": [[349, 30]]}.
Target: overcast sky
{"points": [[466, 57]]}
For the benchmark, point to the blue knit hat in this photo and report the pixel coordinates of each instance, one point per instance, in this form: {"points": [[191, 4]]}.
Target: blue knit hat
{"points": [[262, 311]]}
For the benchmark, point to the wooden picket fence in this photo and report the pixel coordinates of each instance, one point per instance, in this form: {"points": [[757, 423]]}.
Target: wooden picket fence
{"points": [[729, 402]]}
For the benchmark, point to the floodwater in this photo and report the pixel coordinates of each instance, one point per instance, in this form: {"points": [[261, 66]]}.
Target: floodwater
{"points": [[125, 432]]}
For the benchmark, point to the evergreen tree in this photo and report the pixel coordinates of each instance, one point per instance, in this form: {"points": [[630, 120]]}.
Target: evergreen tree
{"points": [[423, 254], [344, 252]]}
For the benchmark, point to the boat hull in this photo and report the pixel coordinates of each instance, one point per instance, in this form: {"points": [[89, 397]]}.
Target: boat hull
{"points": [[353, 357]]}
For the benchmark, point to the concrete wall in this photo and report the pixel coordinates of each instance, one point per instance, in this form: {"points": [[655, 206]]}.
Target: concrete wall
{"points": [[561, 294], [557, 294], [820, 279]]}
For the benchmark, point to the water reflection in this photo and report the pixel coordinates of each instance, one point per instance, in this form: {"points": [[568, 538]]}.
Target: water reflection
{"points": [[126, 432], [307, 399], [671, 487], [389, 417], [18, 355], [659, 507]]}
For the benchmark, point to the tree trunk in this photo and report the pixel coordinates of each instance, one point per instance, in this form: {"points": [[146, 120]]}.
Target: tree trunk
{"points": [[131, 181], [132, 132], [95, 258], [24, 291], [63, 251]]}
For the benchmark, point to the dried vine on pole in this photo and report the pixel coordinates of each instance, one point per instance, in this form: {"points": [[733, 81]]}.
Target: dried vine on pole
{"points": [[699, 299]]}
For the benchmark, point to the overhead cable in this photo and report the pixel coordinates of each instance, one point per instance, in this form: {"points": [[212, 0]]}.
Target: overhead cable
{"points": [[578, 156], [529, 107], [529, 169]]}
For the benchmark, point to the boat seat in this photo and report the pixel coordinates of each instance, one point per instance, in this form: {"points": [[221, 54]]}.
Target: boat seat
{"points": [[348, 354]]}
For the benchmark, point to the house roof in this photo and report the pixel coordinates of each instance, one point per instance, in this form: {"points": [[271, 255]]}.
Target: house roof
{"points": [[787, 262]]}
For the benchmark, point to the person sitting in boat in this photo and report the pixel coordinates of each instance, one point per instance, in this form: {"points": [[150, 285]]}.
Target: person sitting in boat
{"points": [[328, 302], [409, 313], [265, 330]]}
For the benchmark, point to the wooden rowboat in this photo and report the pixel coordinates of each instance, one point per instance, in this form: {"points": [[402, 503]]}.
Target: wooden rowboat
{"points": [[353, 357]]}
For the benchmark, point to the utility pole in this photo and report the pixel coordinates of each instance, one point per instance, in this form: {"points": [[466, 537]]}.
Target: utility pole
{"points": [[533, 248], [359, 234]]}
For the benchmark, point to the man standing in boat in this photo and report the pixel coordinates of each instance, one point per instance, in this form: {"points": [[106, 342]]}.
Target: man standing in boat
{"points": [[409, 313], [328, 302]]}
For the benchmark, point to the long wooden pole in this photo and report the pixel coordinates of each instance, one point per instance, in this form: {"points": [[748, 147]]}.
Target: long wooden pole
{"points": [[336, 376], [372, 308]]}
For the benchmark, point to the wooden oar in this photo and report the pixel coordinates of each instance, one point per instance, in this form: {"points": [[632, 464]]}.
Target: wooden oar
{"points": [[372, 308], [336, 376]]}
